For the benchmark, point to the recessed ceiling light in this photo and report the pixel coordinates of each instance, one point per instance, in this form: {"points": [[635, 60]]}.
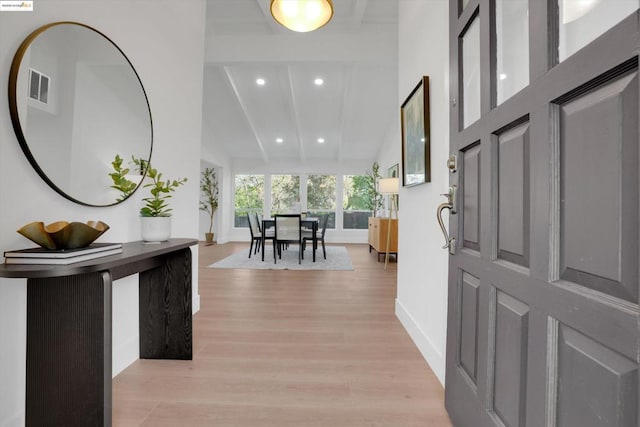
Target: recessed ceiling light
{"points": [[260, 81], [279, 140], [321, 140], [318, 81], [503, 76]]}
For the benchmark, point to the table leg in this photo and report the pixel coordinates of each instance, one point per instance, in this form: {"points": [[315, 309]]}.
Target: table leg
{"points": [[68, 375], [262, 240], [315, 240]]}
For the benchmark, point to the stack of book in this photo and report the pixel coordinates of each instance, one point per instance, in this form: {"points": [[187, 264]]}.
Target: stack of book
{"points": [[61, 257]]}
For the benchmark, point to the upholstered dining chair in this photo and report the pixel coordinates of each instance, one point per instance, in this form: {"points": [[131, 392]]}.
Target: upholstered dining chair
{"points": [[308, 235], [256, 234], [288, 230]]}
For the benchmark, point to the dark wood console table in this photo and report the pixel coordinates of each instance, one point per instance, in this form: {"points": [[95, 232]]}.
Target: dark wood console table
{"points": [[68, 378]]}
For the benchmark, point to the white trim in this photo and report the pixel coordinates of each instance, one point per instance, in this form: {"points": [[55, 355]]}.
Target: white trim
{"points": [[429, 351]]}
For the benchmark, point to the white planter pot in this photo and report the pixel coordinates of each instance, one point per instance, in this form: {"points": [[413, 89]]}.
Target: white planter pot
{"points": [[155, 228]]}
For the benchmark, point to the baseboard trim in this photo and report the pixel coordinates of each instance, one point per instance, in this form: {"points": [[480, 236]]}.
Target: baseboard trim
{"points": [[195, 304], [430, 353]]}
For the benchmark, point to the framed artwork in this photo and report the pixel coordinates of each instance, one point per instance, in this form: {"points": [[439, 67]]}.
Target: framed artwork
{"points": [[416, 140], [394, 172]]}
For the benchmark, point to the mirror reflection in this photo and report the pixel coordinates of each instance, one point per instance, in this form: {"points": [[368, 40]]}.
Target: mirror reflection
{"points": [[76, 102]]}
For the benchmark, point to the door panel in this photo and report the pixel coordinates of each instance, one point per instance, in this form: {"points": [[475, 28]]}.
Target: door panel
{"points": [[599, 201], [611, 379], [471, 199], [510, 362], [513, 195], [468, 355], [543, 316]]}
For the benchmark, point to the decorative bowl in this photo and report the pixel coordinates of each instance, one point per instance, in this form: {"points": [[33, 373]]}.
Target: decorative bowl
{"points": [[62, 234]]}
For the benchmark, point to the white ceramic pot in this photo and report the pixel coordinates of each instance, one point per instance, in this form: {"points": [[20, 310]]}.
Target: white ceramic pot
{"points": [[155, 228]]}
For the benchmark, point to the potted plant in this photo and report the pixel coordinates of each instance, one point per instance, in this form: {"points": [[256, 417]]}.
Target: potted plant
{"points": [[376, 201], [120, 181], [209, 201], [155, 214]]}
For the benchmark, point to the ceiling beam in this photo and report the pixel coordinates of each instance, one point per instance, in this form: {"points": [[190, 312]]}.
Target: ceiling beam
{"points": [[348, 76], [245, 111], [294, 113], [265, 7], [358, 14]]}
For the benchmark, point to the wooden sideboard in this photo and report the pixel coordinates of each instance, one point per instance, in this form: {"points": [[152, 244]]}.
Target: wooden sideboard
{"points": [[68, 378], [378, 236]]}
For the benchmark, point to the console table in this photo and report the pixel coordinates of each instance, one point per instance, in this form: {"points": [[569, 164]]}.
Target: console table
{"points": [[68, 378]]}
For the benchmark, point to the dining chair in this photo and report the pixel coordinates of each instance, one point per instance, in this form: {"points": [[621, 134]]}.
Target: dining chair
{"points": [[256, 234], [288, 230], [322, 228]]}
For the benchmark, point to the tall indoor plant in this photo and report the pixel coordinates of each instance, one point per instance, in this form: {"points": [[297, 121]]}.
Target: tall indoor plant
{"points": [[209, 200], [376, 201]]}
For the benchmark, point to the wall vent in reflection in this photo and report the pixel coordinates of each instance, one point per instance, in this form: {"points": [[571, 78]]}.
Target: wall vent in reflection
{"points": [[39, 86]]}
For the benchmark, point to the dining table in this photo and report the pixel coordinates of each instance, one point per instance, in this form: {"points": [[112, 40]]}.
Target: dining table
{"points": [[309, 222]]}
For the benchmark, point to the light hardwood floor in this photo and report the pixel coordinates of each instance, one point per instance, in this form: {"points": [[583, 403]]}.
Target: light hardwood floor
{"points": [[288, 348]]}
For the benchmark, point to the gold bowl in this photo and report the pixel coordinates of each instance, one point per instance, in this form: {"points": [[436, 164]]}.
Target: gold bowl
{"points": [[62, 234]]}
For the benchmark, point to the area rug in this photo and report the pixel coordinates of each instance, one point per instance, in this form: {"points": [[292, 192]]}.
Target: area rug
{"points": [[337, 259]]}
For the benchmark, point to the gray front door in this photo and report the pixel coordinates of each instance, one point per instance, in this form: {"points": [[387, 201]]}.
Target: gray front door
{"points": [[543, 323]]}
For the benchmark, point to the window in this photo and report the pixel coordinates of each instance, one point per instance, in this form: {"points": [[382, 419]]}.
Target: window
{"points": [[285, 194], [356, 202], [321, 197], [512, 47], [249, 198], [38, 86]]}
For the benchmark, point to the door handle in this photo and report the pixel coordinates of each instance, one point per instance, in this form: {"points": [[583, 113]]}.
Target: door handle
{"points": [[451, 204]]}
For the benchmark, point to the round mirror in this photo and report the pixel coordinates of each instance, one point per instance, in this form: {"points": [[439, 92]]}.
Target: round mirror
{"points": [[77, 103]]}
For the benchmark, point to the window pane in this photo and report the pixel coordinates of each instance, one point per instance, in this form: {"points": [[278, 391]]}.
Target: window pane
{"points": [[321, 197], [285, 194], [512, 56], [34, 84], [582, 21], [249, 198], [471, 74], [44, 89], [356, 202]]}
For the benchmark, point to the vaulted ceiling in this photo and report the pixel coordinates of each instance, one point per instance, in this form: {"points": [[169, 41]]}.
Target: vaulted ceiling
{"points": [[355, 55]]}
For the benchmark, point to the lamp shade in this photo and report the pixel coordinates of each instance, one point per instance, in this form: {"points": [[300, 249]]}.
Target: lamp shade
{"points": [[389, 185], [302, 15]]}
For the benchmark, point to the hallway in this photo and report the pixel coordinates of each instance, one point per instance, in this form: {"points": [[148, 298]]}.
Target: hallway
{"points": [[288, 348]]}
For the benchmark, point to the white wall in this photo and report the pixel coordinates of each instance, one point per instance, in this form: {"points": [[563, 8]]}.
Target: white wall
{"points": [[165, 42], [421, 303]]}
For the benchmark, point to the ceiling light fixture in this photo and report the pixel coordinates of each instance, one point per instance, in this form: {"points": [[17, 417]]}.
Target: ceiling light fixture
{"points": [[576, 9], [302, 15], [321, 140], [318, 81], [279, 140], [260, 82]]}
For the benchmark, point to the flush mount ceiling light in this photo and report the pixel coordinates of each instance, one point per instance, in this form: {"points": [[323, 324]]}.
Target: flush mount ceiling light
{"points": [[302, 15], [260, 82], [576, 9], [318, 81], [320, 140], [279, 140]]}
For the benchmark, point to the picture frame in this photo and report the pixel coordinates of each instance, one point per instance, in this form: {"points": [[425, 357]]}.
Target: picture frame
{"points": [[416, 138]]}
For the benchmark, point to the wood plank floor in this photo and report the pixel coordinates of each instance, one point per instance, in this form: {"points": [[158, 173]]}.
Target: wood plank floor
{"points": [[288, 348]]}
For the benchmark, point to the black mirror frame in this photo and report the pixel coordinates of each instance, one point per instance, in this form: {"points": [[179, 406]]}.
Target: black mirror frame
{"points": [[15, 119]]}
